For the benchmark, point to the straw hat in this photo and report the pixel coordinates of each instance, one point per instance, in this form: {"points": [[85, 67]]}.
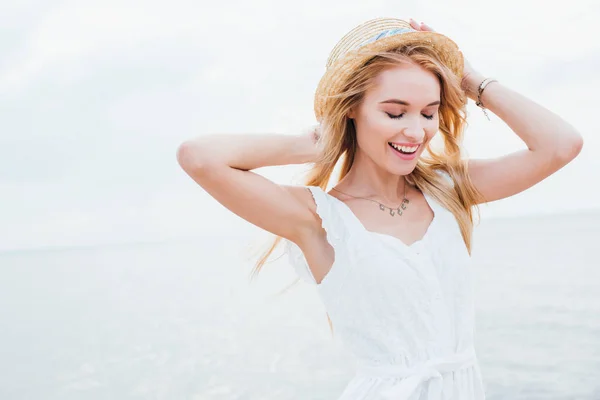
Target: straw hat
{"points": [[380, 34]]}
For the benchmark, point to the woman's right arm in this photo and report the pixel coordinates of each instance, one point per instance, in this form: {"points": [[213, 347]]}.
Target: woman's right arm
{"points": [[222, 165]]}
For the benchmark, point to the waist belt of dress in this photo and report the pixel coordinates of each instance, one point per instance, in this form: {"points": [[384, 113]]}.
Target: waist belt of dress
{"points": [[431, 370]]}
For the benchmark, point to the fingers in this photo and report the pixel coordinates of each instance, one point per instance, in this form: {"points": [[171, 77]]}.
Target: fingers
{"points": [[427, 27], [315, 132], [420, 26], [413, 24]]}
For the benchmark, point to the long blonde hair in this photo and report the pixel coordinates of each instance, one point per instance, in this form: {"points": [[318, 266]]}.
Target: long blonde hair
{"points": [[338, 138]]}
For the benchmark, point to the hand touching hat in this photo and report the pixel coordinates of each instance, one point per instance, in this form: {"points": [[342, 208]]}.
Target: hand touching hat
{"points": [[471, 78], [378, 35]]}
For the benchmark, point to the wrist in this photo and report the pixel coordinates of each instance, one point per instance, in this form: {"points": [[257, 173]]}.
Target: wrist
{"points": [[305, 148], [470, 84]]}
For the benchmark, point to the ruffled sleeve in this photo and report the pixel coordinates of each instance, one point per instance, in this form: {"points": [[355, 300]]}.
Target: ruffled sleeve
{"points": [[335, 230], [298, 262]]}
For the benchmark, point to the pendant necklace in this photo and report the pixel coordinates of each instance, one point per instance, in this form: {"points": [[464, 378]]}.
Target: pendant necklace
{"points": [[393, 211]]}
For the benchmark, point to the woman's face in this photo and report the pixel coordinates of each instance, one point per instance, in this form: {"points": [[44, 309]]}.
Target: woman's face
{"points": [[401, 109]]}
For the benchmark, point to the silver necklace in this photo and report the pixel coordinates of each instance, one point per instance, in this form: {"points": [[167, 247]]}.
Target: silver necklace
{"points": [[393, 211]]}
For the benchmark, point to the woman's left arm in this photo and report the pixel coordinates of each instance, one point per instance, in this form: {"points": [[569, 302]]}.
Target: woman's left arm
{"points": [[551, 142]]}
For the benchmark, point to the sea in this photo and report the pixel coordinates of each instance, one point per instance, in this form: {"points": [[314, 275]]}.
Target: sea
{"points": [[184, 320]]}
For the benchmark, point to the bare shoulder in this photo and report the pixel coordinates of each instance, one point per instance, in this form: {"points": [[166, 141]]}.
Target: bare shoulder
{"points": [[303, 195]]}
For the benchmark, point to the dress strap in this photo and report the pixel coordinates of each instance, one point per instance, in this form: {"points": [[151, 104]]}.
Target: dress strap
{"points": [[330, 218], [335, 230]]}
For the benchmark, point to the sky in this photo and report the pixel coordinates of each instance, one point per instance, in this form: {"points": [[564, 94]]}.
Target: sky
{"points": [[96, 96]]}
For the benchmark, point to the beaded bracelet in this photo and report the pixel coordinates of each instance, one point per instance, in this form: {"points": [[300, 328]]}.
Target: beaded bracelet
{"points": [[480, 89]]}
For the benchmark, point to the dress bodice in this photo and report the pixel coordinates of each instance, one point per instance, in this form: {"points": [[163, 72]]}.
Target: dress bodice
{"points": [[401, 310]]}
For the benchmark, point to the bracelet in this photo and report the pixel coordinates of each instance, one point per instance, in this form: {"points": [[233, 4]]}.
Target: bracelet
{"points": [[480, 89]]}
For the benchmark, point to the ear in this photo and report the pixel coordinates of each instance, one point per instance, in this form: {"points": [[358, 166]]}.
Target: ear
{"points": [[351, 114]]}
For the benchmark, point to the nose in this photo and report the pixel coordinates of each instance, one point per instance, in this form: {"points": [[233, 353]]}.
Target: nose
{"points": [[414, 131]]}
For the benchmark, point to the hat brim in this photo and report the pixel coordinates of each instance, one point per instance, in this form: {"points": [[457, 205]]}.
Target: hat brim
{"points": [[337, 74]]}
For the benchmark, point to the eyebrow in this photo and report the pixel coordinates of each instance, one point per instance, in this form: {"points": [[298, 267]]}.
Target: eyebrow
{"points": [[405, 103]]}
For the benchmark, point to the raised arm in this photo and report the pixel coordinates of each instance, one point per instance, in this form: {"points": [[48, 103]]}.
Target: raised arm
{"points": [[222, 165], [551, 143]]}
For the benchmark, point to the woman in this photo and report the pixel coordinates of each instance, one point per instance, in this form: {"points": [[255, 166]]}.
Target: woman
{"points": [[388, 248]]}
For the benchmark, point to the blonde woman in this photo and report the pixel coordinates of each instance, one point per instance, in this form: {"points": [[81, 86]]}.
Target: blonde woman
{"points": [[388, 247]]}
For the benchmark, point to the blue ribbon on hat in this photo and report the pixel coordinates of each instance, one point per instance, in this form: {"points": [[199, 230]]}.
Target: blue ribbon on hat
{"points": [[388, 33]]}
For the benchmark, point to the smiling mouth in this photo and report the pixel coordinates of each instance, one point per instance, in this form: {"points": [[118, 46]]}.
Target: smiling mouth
{"points": [[404, 149]]}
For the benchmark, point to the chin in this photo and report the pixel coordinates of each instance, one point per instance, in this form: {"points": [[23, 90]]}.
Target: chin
{"points": [[403, 164], [405, 172], [402, 169]]}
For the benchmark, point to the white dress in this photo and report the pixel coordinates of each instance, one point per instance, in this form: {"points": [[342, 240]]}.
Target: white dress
{"points": [[405, 312]]}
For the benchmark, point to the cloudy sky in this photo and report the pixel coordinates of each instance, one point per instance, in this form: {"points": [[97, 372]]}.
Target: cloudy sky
{"points": [[95, 97]]}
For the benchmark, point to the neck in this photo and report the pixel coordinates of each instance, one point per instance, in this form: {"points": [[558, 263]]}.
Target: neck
{"points": [[367, 179]]}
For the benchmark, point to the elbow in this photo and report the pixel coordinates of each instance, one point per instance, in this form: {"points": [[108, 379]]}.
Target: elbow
{"points": [[577, 145], [193, 157], [571, 148]]}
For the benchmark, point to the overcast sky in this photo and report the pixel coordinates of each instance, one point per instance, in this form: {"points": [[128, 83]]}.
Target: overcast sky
{"points": [[95, 97]]}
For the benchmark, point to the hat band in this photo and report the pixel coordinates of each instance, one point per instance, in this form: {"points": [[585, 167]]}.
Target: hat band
{"points": [[387, 33]]}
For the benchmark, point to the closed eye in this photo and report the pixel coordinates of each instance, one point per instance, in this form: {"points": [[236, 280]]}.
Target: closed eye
{"points": [[401, 115]]}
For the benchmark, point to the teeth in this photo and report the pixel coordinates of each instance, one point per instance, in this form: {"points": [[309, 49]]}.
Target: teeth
{"points": [[405, 149]]}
